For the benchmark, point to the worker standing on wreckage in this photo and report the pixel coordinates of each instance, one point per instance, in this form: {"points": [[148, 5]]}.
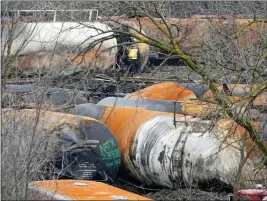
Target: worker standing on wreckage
{"points": [[134, 60]]}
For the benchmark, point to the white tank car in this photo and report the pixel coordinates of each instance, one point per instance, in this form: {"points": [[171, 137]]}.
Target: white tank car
{"points": [[44, 44]]}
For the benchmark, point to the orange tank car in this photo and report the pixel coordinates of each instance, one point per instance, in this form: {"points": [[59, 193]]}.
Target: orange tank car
{"points": [[122, 121], [260, 100], [164, 91], [192, 32], [152, 146], [238, 132], [125, 123], [193, 108], [234, 89], [78, 190], [237, 91], [199, 108]]}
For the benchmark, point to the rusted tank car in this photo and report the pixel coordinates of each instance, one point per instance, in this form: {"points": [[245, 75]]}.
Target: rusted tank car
{"points": [[64, 46], [156, 152], [83, 147], [163, 91], [192, 32], [237, 91], [78, 190], [49, 44]]}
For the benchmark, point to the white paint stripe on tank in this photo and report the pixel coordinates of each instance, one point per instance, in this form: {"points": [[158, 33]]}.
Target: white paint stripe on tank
{"points": [[165, 155], [155, 142], [63, 37]]}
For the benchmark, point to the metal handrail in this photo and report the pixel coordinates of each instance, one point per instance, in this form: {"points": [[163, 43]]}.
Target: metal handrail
{"points": [[55, 12]]}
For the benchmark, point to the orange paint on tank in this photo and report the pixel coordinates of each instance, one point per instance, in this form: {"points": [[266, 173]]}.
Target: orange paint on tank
{"points": [[164, 91], [193, 31], [240, 99], [238, 91], [238, 132], [6, 25], [124, 123], [231, 87], [135, 129], [79, 190], [88, 56], [202, 108], [256, 101], [260, 101], [198, 108]]}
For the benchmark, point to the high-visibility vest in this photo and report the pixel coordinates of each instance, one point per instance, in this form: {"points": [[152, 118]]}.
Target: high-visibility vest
{"points": [[133, 53]]}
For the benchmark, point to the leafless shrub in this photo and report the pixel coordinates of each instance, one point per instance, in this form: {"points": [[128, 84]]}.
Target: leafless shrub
{"points": [[27, 151]]}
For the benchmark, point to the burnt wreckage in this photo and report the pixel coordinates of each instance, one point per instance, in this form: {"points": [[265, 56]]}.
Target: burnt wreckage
{"points": [[140, 134]]}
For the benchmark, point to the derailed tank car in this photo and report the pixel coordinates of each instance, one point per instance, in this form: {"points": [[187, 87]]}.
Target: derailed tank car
{"points": [[56, 40], [156, 152], [163, 91], [193, 108], [78, 190], [81, 147]]}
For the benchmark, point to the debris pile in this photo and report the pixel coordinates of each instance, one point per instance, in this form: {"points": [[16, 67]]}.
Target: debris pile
{"points": [[157, 135]]}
